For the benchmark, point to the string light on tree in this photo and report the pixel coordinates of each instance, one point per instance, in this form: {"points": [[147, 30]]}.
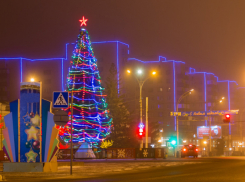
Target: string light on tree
{"points": [[91, 122]]}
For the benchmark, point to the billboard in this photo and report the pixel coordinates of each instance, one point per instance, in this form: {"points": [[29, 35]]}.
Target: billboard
{"points": [[204, 113], [203, 131]]}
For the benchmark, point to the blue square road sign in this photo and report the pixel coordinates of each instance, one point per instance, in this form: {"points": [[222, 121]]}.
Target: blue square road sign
{"points": [[60, 100]]}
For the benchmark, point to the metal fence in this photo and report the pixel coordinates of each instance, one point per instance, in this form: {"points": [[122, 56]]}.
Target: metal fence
{"points": [[112, 153]]}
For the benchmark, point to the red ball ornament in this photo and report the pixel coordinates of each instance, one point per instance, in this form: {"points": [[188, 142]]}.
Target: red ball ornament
{"points": [[36, 145], [32, 114]]}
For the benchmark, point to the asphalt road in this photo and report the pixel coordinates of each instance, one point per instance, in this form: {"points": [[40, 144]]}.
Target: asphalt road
{"points": [[204, 169], [207, 170]]}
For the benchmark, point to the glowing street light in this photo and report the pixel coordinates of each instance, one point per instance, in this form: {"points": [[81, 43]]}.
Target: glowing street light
{"points": [[141, 83], [222, 99], [190, 91], [139, 71]]}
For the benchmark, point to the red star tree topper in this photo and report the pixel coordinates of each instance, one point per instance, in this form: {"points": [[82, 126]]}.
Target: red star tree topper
{"points": [[83, 21]]}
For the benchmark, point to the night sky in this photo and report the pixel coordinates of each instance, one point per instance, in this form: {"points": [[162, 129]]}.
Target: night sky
{"points": [[208, 35]]}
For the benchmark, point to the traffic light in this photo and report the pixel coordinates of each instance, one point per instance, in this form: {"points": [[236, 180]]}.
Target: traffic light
{"points": [[227, 118], [173, 140], [141, 130]]}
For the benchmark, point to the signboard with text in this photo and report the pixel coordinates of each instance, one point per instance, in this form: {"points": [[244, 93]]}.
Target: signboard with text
{"points": [[204, 113], [203, 131]]}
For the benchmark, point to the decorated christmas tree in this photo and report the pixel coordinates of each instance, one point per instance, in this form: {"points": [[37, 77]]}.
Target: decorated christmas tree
{"points": [[91, 122]]}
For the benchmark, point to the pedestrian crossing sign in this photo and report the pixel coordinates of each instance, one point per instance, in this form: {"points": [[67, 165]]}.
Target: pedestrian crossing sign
{"points": [[60, 100]]}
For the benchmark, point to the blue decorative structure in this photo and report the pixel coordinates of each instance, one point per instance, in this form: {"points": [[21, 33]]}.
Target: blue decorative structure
{"points": [[30, 135]]}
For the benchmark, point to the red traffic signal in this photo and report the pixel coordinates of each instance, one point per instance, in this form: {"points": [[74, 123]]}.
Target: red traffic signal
{"points": [[141, 131], [227, 118]]}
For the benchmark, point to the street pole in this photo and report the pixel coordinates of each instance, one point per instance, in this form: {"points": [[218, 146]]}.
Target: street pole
{"points": [[141, 84], [71, 131], [177, 119], [210, 141], [40, 126], [1, 127], [146, 123], [241, 127], [177, 130], [210, 118], [241, 115]]}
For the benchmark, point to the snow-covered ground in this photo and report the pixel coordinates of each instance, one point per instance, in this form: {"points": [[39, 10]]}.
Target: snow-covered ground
{"points": [[95, 169], [101, 168]]}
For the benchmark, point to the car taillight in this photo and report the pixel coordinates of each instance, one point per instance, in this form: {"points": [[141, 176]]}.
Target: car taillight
{"points": [[196, 150], [184, 149], [190, 145]]}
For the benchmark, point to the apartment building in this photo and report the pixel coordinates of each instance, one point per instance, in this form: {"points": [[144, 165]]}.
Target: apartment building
{"points": [[164, 89]]}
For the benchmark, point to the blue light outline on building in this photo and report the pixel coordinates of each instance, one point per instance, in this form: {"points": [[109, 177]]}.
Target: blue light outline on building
{"points": [[62, 59], [158, 61], [228, 81], [229, 105], [205, 95], [193, 71], [117, 71], [62, 74], [21, 64], [175, 119], [117, 42], [20, 69], [229, 99], [66, 58], [174, 77]]}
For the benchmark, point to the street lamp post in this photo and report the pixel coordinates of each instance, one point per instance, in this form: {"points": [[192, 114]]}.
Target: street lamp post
{"points": [[241, 116], [177, 120], [210, 118], [141, 83]]}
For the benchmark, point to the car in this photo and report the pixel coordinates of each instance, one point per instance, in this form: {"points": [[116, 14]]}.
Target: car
{"points": [[189, 150]]}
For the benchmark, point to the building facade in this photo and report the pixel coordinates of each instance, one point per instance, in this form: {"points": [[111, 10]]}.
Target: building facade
{"points": [[173, 79]]}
